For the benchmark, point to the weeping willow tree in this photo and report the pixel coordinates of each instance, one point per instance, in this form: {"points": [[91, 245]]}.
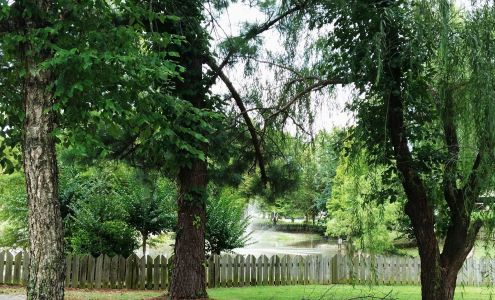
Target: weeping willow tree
{"points": [[424, 71]]}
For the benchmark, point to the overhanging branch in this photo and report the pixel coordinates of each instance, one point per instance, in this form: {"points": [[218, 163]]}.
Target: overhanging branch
{"points": [[257, 30], [314, 87], [252, 130]]}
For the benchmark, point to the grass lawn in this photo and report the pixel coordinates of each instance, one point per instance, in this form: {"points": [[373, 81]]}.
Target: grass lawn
{"points": [[279, 292]]}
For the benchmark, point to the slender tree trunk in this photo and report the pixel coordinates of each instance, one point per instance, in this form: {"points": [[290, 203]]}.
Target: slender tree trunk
{"points": [[145, 239], [47, 263], [188, 274]]}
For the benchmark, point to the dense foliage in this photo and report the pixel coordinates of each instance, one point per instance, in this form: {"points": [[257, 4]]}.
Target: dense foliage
{"points": [[227, 224], [356, 212], [112, 208]]}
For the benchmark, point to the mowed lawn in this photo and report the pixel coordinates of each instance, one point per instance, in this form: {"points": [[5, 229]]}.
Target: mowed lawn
{"points": [[308, 292]]}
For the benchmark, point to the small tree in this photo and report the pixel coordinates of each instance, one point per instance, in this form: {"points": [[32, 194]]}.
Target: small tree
{"points": [[98, 219], [153, 210], [226, 223]]}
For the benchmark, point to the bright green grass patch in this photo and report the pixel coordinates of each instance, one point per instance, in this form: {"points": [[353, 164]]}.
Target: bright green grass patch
{"points": [[338, 292], [308, 292]]}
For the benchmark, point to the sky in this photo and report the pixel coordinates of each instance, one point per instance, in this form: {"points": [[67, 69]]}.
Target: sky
{"points": [[332, 112]]}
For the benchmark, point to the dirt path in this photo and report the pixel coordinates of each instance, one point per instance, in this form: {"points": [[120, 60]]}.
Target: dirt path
{"points": [[12, 297]]}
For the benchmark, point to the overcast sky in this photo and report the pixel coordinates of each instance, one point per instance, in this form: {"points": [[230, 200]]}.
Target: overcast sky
{"points": [[332, 112]]}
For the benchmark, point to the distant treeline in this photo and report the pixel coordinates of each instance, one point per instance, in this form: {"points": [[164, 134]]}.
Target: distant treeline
{"points": [[290, 227]]}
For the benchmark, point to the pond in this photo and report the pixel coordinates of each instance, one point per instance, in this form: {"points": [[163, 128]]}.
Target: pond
{"points": [[265, 242], [269, 242]]}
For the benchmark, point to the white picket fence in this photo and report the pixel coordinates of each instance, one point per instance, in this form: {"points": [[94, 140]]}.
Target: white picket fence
{"points": [[390, 270], [85, 271]]}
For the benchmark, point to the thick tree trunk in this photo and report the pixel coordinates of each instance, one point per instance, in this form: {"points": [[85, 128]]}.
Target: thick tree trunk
{"points": [[47, 263], [188, 274]]}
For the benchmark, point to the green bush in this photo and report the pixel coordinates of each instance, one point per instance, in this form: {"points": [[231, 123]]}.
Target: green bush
{"points": [[110, 237]]}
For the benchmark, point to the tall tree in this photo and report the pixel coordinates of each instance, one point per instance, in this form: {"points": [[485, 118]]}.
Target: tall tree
{"points": [[427, 109], [47, 264], [65, 66], [188, 273]]}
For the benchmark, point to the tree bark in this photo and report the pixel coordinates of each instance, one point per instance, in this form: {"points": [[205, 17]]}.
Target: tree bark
{"points": [[188, 274], [47, 263]]}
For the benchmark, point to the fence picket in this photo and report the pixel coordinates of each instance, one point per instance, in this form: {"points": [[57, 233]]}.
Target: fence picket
{"points": [[266, 266], [271, 270], [235, 271], [300, 269], [114, 272], [99, 271], [17, 268], [164, 273], [242, 271], [141, 274], [149, 273], [217, 270], [283, 270], [83, 269], [2, 260], [259, 270], [9, 261], [135, 270], [156, 273], [75, 271], [105, 277], [223, 271], [229, 266], [25, 268], [121, 274]]}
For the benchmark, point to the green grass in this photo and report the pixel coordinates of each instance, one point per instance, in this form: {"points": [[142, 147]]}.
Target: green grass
{"points": [[481, 249], [309, 292], [336, 292]]}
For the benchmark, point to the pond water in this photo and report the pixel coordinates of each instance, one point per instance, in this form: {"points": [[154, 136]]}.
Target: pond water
{"points": [[269, 242], [266, 242]]}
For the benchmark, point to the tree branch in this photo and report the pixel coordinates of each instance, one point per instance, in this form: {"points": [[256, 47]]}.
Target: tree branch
{"points": [[455, 203], [471, 187], [257, 30], [252, 130], [8, 25], [417, 206], [315, 86]]}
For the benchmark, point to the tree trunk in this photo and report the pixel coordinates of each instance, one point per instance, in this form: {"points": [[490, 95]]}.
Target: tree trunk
{"points": [[145, 239], [188, 274], [47, 263], [438, 281]]}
